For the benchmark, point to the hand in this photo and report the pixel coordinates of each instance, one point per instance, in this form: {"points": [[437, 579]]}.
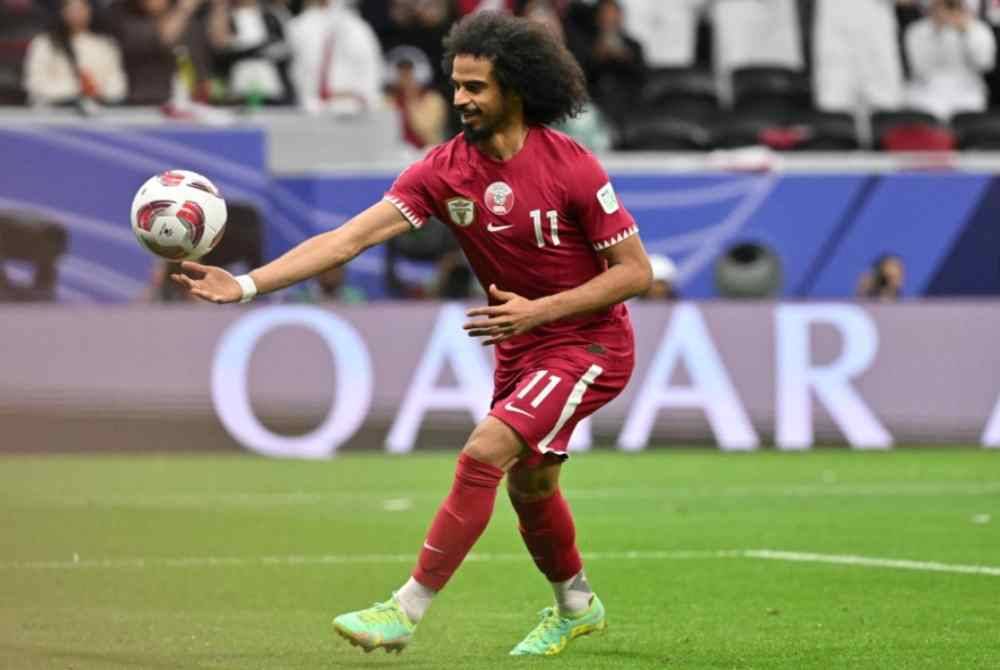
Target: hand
{"points": [[513, 316], [88, 86], [208, 283]]}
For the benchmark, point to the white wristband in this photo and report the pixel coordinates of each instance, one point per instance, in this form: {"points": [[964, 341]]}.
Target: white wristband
{"points": [[247, 286]]}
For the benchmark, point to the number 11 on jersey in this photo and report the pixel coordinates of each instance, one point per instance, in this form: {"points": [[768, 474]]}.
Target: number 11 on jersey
{"points": [[553, 216]]}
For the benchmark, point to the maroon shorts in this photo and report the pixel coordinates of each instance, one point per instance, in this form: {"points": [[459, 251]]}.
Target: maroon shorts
{"points": [[545, 399]]}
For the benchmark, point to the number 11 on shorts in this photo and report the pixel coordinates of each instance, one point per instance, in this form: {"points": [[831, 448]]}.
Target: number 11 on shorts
{"points": [[546, 390]]}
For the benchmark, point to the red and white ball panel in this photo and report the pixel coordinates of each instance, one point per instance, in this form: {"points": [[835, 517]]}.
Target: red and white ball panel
{"points": [[178, 215]]}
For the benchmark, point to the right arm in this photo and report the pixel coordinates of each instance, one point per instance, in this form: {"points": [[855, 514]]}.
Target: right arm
{"points": [[375, 225]]}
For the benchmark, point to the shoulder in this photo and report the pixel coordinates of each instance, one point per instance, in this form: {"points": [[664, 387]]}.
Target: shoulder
{"points": [[574, 159], [40, 43], [445, 158], [920, 28], [561, 144], [980, 28], [99, 42]]}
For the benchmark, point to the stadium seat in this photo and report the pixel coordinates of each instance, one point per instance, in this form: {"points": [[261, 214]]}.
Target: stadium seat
{"points": [[977, 130], [742, 130], [25, 236], [910, 130], [771, 90], [748, 269], [828, 131], [808, 132], [663, 133], [681, 93]]}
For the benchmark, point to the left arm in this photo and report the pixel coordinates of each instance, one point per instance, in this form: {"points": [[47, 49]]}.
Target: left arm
{"points": [[629, 274]]}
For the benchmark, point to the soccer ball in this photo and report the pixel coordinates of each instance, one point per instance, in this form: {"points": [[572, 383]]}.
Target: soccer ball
{"points": [[178, 215]]}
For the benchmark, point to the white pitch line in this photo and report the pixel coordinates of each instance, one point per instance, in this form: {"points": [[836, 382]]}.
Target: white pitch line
{"points": [[305, 498], [639, 555], [333, 559], [869, 562]]}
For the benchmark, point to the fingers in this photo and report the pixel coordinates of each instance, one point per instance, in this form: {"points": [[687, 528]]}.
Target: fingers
{"points": [[486, 323], [486, 311], [501, 295], [490, 329], [183, 280], [196, 270]]}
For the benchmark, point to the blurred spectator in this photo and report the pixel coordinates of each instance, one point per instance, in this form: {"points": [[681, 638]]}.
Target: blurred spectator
{"points": [[336, 59], [614, 62], [664, 276], [423, 111], [991, 15], [69, 62], [40, 242], [884, 281], [422, 24], [148, 32], [470, 6], [755, 32], [251, 46], [20, 20], [949, 52], [589, 127], [432, 244], [857, 65], [329, 286], [668, 30]]}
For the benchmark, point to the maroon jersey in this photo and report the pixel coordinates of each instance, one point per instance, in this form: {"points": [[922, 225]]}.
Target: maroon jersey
{"points": [[533, 225]]}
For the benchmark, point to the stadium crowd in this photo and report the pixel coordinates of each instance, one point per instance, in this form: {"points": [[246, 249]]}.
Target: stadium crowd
{"points": [[677, 75], [664, 75]]}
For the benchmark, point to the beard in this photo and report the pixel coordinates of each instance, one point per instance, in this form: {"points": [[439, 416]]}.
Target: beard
{"points": [[488, 125], [483, 132]]}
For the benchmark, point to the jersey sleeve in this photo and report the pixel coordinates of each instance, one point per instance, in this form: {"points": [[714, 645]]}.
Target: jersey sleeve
{"points": [[411, 195], [603, 219]]}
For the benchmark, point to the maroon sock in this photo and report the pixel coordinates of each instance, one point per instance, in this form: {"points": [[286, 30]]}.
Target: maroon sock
{"points": [[548, 531], [459, 522]]}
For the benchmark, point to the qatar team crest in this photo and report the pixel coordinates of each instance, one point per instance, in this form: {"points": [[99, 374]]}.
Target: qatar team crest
{"points": [[499, 198], [461, 211]]}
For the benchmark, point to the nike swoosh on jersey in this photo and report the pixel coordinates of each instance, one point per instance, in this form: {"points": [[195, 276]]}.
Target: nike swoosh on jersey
{"points": [[517, 410], [435, 549], [496, 229]]}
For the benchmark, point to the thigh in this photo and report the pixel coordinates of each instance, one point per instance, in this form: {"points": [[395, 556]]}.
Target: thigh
{"points": [[545, 400]]}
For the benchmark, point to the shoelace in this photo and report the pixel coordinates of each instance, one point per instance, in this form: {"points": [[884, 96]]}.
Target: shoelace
{"points": [[550, 620], [379, 613]]}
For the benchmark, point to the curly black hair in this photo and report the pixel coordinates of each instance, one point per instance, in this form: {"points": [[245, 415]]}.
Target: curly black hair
{"points": [[527, 59]]}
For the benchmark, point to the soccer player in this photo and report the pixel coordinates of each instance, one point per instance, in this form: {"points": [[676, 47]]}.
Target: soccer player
{"points": [[558, 254]]}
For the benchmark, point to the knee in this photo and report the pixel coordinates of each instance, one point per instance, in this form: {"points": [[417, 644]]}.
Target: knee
{"points": [[495, 444], [530, 489]]}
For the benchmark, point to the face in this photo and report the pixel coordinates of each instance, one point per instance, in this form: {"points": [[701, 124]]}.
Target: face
{"points": [[609, 16], [485, 109], [892, 268], [154, 7], [76, 15]]}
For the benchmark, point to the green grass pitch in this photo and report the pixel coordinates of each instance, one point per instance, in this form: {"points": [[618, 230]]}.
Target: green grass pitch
{"points": [[235, 562]]}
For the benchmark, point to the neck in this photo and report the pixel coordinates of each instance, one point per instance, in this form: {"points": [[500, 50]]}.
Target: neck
{"points": [[506, 142]]}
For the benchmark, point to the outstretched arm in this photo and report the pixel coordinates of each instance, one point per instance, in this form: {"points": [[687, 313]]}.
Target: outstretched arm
{"points": [[629, 274], [375, 225]]}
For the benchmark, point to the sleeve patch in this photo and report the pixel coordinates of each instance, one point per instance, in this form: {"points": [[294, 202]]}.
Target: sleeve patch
{"points": [[405, 210], [609, 201]]}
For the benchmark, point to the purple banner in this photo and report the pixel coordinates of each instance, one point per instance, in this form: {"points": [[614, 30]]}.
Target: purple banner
{"points": [[305, 381]]}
